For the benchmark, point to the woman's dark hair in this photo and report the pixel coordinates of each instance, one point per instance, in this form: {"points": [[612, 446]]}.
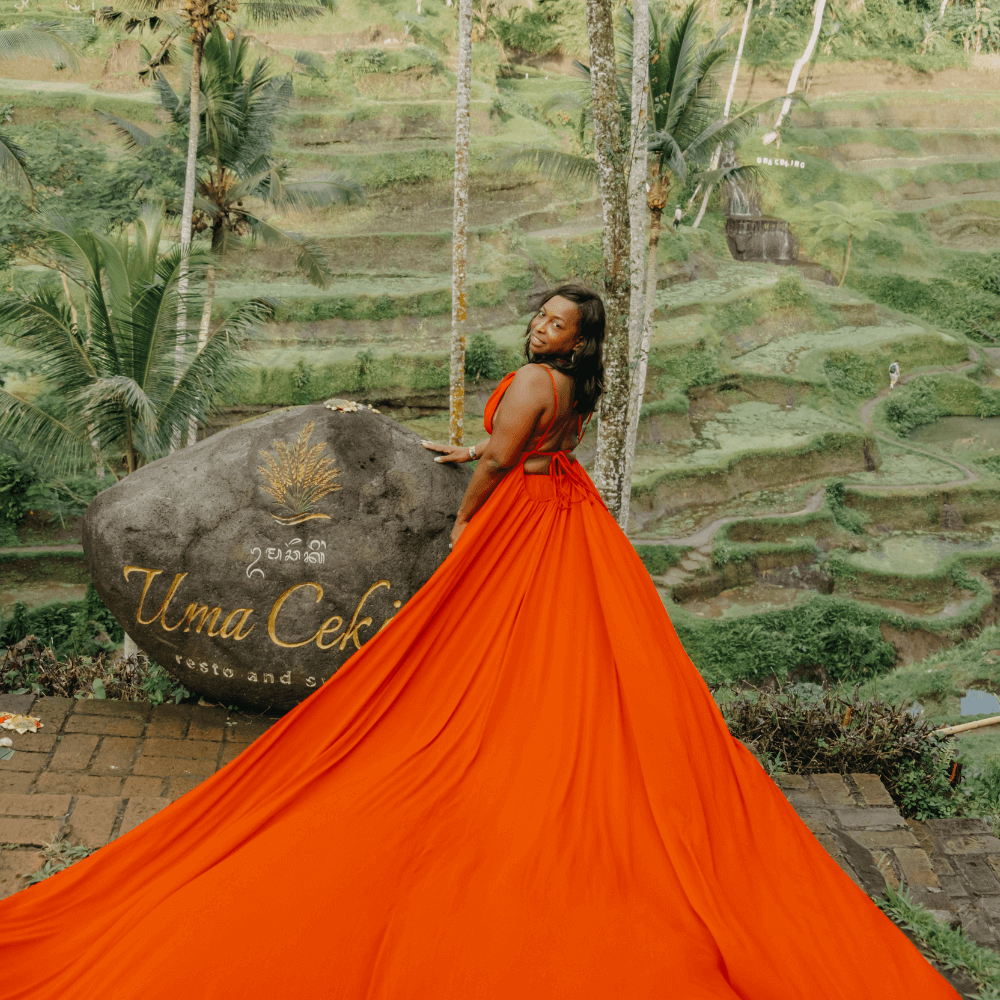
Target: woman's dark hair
{"points": [[586, 367]]}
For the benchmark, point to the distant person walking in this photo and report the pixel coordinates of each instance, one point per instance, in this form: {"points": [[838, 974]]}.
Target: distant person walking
{"points": [[678, 215], [893, 374]]}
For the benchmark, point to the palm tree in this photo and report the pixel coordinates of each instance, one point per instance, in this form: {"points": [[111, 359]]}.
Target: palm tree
{"points": [[859, 219], [685, 125], [200, 18], [685, 129], [726, 109], [117, 372], [818, 9], [242, 103], [460, 243]]}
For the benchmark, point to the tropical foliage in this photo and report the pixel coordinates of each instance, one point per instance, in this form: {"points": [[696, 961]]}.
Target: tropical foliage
{"points": [[243, 104], [845, 222], [113, 362]]}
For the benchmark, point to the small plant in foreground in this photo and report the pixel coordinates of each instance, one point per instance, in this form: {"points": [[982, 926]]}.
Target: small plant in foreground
{"points": [[58, 856], [950, 948], [30, 667]]}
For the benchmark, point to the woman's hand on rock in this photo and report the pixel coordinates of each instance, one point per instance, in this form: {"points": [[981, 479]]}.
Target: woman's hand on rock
{"points": [[450, 453]]}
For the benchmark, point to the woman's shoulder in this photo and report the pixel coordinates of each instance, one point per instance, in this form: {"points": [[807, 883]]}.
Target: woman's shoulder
{"points": [[531, 383]]}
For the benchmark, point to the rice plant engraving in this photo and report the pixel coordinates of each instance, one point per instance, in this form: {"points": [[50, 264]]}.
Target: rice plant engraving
{"points": [[296, 477]]}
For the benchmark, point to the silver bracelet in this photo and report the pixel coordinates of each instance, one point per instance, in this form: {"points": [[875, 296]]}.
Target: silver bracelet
{"points": [[472, 452]]}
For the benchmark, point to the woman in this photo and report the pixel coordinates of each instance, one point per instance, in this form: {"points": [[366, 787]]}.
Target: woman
{"points": [[521, 788]]}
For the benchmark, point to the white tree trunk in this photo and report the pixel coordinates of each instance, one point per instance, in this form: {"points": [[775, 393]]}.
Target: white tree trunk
{"points": [[609, 466], [460, 243], [638, 388], [802, 60], [638, 228], [187, 213], [729, 104], [203, 328]]}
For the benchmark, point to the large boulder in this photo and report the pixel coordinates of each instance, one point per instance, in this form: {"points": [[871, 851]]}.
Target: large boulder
{"points": [[254, 563]]}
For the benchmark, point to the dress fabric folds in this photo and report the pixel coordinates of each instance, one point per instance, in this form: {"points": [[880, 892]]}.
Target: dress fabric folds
{"points": [[521, 788]]}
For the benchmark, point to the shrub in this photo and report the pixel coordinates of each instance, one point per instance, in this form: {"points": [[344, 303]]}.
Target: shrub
{"points": [[944, 303], [841, 637], [813, 731], [527, 30], [836, 501], [30, 667], [302, 382], [70, 627], [484, 359], [659, 558], [694, 367], [978, 270]]}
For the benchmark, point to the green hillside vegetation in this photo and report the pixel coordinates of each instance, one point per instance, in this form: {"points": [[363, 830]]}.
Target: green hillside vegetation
{"points": [[767, 383]]}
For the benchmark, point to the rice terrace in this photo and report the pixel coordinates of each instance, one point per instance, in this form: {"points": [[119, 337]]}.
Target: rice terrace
{"points": [[821, 542]]}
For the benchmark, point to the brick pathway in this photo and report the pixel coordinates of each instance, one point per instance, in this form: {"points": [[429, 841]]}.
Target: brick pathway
{"points": [[99, 768]]}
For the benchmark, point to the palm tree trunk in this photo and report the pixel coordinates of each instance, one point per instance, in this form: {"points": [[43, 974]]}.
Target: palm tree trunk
{"points": [[637, 213], [609, 466], [75, 320], [847, 259], [203, 328], [638, 387], [802, 60], [187, 212], [460, 242], [729, 103]]}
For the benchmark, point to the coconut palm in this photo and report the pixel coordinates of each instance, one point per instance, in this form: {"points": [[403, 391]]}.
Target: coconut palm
{"points": [[819, 8], [460, 243], [243, 104], [116, 372], [858, 220]]}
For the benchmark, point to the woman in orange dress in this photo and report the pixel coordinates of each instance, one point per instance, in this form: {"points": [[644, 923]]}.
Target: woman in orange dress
{"points": [[521, 788]]}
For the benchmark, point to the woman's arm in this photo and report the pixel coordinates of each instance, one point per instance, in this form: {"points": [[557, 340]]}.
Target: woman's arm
{"points": [[517, 416], [456, 454]]}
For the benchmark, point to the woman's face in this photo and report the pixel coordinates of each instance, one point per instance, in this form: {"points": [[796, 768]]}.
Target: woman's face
{"points": [[555, 328]]}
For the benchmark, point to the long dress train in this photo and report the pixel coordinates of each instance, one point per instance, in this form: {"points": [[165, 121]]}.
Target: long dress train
{"points": [[521, 788]]}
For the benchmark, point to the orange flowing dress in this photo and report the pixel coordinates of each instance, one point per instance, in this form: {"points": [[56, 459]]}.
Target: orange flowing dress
{"points": [[521, 789]]}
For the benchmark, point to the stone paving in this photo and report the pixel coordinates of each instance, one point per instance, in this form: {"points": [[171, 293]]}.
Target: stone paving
{"points": [[98, 768]]}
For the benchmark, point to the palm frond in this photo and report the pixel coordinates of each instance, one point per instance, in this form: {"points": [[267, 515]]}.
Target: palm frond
{"points": [[14, 165], [216, 370], [40, 40], [337, 189], [270, 12], [311, 258], [121, 391], [552, 163], [66, 447], [134, 136]]}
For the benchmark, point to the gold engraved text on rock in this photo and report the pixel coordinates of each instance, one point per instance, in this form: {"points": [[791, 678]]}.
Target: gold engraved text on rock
{"points": [[328, 628], [196, 615]]}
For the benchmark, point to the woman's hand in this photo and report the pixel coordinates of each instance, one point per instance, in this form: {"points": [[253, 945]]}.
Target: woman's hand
{"points": [[451, 454]]}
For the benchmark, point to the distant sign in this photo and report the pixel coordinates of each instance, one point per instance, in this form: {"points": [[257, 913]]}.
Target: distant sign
{"points": [[773, 161]]}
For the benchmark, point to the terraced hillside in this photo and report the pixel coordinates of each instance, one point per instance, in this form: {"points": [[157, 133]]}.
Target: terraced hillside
{"points": [[762, 376]]}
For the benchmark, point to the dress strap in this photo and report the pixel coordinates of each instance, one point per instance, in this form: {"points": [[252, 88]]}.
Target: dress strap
{"points": [[555, 413]]}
